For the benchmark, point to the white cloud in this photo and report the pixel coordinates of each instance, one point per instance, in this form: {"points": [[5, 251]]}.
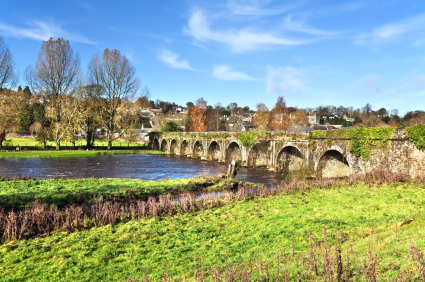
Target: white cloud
{"points": [[239, 40], [283, 79], [393, 31], [172, 60], [226, 73], [41, 30], [370, 82]]}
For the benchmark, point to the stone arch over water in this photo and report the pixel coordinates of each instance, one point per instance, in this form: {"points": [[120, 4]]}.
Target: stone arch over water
{"points": [[184, 148], [198, 150], [289, 159], [259, 154], [214, 153], [233, 152], [332, 164], [164, 145], [155, 144], [174, 147]]}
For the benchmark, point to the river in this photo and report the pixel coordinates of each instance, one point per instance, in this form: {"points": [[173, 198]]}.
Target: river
{"points": [[147, 167]]}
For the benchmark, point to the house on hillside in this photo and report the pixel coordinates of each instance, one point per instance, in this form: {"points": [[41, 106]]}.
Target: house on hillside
{"points": [[314, 118]]}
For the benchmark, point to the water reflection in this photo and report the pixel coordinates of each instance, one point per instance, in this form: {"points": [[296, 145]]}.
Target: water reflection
{"points": [[148, 167]]}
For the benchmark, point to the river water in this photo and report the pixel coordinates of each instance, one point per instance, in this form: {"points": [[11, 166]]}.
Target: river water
{"points": [[148, 167]]}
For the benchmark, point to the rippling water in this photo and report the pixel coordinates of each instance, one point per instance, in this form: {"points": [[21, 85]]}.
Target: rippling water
{"points": [[149, 167]]}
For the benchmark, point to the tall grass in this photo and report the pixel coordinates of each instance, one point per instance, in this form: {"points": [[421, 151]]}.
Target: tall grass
{"points": [[41, 218], [322, 262]]}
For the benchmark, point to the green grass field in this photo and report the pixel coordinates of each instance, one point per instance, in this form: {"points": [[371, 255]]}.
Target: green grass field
{"points": [[18, 194], [71, 153], [16, 142], [234, 232]]}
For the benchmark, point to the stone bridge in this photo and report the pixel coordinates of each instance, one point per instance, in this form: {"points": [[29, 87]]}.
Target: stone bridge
{"points": [[288, 151]]}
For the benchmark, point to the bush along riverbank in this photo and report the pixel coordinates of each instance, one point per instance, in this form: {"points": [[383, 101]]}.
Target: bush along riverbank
{"points": [[71, 153], [372, 221]]}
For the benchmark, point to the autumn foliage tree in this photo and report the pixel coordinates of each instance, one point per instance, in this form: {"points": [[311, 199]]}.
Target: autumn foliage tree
{"points": [[198, 120], [262, 117], [7, 113], [299, 118], [279, 116]]}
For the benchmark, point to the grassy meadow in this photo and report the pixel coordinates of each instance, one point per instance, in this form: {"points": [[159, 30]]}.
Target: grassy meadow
{"points": [[368, 222], [71, 153]]}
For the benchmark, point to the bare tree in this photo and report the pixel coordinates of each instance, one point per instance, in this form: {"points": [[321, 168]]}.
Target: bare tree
{"points": [[8, 74], [117, 79], [57, 77], [214, 122]]}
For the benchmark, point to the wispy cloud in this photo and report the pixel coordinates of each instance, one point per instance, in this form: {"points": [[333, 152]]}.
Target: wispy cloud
{"points": [[370, 82], [41, 30], [226, 73], [239, 40], [172, 60], [392, 31], [413, 81], [283, 79], [290, 24], [255, 8]]}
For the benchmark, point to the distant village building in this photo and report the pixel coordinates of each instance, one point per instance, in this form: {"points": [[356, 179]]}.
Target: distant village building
{"points": [[314, 118]]}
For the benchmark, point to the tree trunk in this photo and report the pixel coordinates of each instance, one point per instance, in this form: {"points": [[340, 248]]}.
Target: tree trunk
{"points": [[2, 137], [44, 144], [88, 139], [109, 144], [58, 146]]}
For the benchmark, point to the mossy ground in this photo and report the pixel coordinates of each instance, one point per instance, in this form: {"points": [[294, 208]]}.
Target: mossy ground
{"points": [[233, 232], [71, 153]]}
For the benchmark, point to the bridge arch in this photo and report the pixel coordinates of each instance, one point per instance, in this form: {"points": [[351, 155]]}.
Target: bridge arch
{"points": [[198, 149], [259, 154], [184, 148], [233, 152], [164, 145], [174, 147], [289, 159], [332, 163], [214, 153], [155, 144]]}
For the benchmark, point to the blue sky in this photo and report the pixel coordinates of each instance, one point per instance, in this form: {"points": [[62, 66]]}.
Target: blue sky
{"points": [[312, 52]]}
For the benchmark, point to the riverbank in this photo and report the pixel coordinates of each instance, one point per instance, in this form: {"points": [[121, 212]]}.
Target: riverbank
{"points": [[71, 153], [21, 194], [375, 219], [32, 142]]}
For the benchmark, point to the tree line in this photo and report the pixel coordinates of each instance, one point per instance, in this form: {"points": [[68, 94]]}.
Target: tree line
{"points": [[60, 99]]}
